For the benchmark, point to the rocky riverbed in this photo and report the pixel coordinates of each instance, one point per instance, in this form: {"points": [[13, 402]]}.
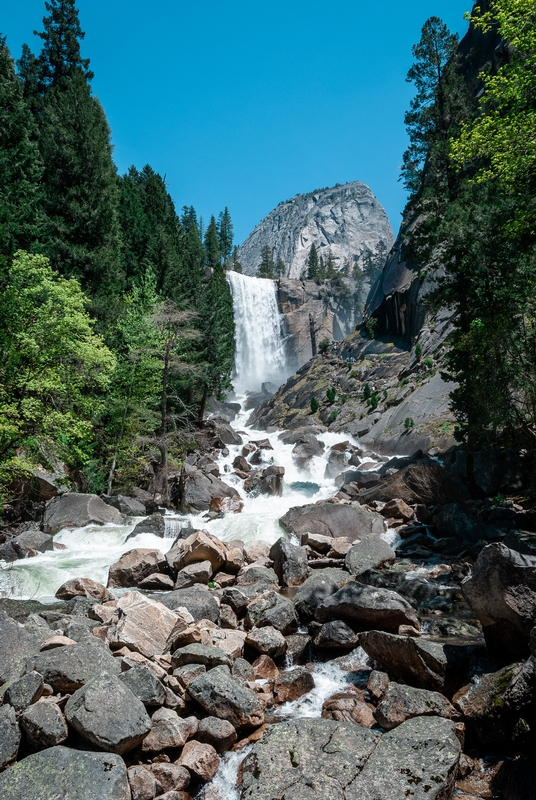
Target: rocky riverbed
{"points": [[367, 633]]}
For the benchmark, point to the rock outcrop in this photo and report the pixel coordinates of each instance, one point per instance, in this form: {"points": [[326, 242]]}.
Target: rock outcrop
{"points": [[348, 220]]}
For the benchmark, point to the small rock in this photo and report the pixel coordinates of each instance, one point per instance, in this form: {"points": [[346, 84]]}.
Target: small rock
{"points": [[154, 524], [25, 691], [9, 736], [200, 654], [377, 684], [217, 732], [67, 669], [336, 635], [43, 725], [267, 641], [222, 695], [199, 572], [144, 684], [265, 669], [275, 610], [400, 703], [293, 684], [348, 707], [290, 562], [201, 759], [84, 587], [56, 641], [142, 783], [168, 730], [170, 777], [134, 566]]}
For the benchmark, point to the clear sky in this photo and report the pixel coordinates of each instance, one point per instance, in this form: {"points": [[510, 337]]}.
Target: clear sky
{"points": [[246, 103]]}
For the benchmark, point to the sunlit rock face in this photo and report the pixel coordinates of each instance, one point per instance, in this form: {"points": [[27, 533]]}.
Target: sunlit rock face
{"points": [[348, 220]]}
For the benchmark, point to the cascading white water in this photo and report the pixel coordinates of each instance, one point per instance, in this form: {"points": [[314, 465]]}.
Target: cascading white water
{"points": [[259, 340]]}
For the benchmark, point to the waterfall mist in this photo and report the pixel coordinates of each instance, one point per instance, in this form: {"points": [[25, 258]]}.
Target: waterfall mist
{"points": [[260, 351]]}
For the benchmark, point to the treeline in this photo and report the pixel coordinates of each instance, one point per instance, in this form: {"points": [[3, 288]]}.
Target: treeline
{"points": [[471, 172], [116, 318]]}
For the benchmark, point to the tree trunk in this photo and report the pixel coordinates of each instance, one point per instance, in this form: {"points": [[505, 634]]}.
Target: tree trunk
{"points": [[203, 404], [312, 331]]}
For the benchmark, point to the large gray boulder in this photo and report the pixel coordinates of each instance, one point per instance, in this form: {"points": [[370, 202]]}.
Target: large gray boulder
{"points": [[197, 599], [223, 696], [318, 586], [370, 553], [197, 489], [223, 431], [130, 506], [134, 566], [68, 668], [76, 510], [205, 654], [143, 683], [275, 610], [18, 648], [400, 703], [21, 545], [367, 607], [9, 736], [332, 519], [307, 759], [290, 562], [501, 590], [43, 725], [154, 524], [60, 773], [418, 760], [108, 714]]}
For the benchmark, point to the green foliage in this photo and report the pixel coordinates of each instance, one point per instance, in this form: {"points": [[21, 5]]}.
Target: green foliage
{"points": [[331, 394], [374, 401], [324, 345], [266, 267], [418, 351], [314, 405], [428, 363], [225, 237], [313, 264], [371, 326], [280, 268], [367, 392], [332, 417], [409, 423]]}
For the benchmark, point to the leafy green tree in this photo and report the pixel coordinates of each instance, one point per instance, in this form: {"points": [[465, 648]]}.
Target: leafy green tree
{"points": [[313, 263], [21, 168], [55, 369], [225, 237], [266, 267]]}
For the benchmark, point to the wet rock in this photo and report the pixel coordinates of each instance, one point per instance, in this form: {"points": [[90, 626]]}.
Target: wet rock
{"points": [[267, 641], [367, 607], [223, 431], [370, 553], [43, 725], [200, 572], [60, 772], [435, 664], [255, 550], [307, 446], [157, 582], [9, 736], [134, 566], [144, 684], [265, 669], [18, 648], [67, 669], [400, 703], [253, 573], [321, 584], [108, 714], [348, 707], [199, 546], [222, 695], [275, 610], [298, 648], [217, 732], [200, 759], [332, 519], [74, 510], [422, 758], [142, 783], [335, 635], [84, 587], [292, 684], [197, 600], [204, 654], [27, 690], [168, 730], [154, 524], [25, 543], [501, 591], [142, 625], [306, 759], [197, 490], [290, 562], [458, 520], [130, 506], [170, 777]]}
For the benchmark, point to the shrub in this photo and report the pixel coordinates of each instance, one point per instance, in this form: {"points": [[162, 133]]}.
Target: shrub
{"points": [[330, 394], [428, 363], [332, 417], [314, 405], [374, 400], [324, 345], [409, 423], [367, 392], [370, 326], [418, 351]]}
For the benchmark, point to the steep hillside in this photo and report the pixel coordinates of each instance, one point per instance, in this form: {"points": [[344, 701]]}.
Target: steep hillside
{"points": [[348, 220]]}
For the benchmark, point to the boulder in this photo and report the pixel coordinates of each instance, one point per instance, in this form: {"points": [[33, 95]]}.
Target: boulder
{"points": [[168, 730], [130, 506], [155, 524], [223, 696], [255, 573], [400, 703], [143, 625], [307, 759], [336, 635], [204, 654], [60, 772], [267, 641], [74, 510], [224, 431], [419, 759], [217, 732], [84, 587], [292, 684], [201, 572], [318, 586], [157, 582], [332, 519], [370, 553], [108, 714], [275, 610], [377, 684], [170, 778], [67, 669], [501, 590], [367, 607], [27, 690], [134, 566], [435, 664], [307, 446], [271, 481], [9, 736], [18, 648], [197, 490], [144, 684], [199, 546], [200, 759], [142, 783], [43, 725], [348, 706], [290, 562], [24, 543], [397, 509], [197, 600]]}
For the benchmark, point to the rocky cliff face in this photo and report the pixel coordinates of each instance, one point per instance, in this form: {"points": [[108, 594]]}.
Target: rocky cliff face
{"points": [[348, 220]]}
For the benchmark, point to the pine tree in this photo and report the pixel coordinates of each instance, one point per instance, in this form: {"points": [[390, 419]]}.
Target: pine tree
{"points": [[194, 271], [313, 263], [134, 227], [60, 59], [225, 237], [21, 217], [218, 334], [266, 267], [212, 246], [331, 272], [280, 268]]}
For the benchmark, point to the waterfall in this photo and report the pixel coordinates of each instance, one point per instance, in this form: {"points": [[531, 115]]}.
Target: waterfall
{"points": [[259, 341]]}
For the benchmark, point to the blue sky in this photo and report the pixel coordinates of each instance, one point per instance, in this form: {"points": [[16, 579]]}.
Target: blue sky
{"points": [[246, 103]]}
